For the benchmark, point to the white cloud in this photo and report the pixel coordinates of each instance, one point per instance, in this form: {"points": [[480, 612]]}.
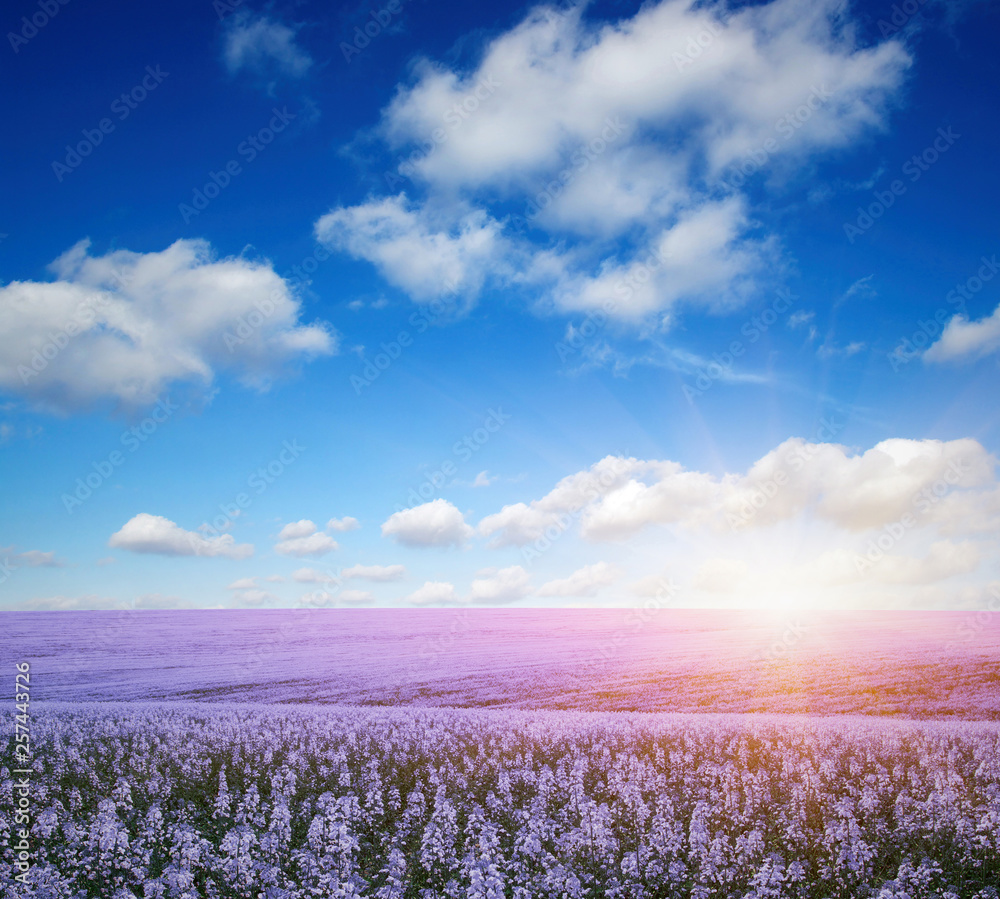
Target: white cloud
{"points": [[428, 256], [375, 572], [437, 523], [521, 523], [433, 593], [356, 597], [263, 46], [295, 529], [617, 498], [586, 581], [703, 255], [966, 341], [343, 524], [503, 586], [617, 131], [302, 538], [128, 326], [154, 534]]}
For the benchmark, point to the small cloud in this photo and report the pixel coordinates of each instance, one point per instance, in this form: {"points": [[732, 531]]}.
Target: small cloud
{"points": [[301, 538], [433, 593], [966, 341], [107, 560], [437, 523], [156, 535], [503, 586], [343, 524], [797, 319], [830, 350], [263, 47], [860, 288], [275, 579], [244, 583], [297, 529]]}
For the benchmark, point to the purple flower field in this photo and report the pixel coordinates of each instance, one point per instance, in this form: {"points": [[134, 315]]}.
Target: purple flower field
{"points": [[335, 753]]}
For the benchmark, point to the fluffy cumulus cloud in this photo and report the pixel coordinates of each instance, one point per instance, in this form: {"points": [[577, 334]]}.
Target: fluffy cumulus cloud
{"points": [[262, 46], [586, 581], [966, 341], [500, 586], [437, 523], [303, 538], [617, 498], [640, 132], [433, 593], [151, 320], [904, 514], [156, 535], [426, 255]]}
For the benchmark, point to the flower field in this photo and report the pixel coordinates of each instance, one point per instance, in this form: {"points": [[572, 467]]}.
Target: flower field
{"points": [[184, 800]]}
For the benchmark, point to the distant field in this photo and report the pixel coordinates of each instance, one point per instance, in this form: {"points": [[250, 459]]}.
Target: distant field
{"points": [[878, 663]]}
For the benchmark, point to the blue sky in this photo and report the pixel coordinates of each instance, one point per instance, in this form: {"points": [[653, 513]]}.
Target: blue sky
{"points": [[520, 305]]}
